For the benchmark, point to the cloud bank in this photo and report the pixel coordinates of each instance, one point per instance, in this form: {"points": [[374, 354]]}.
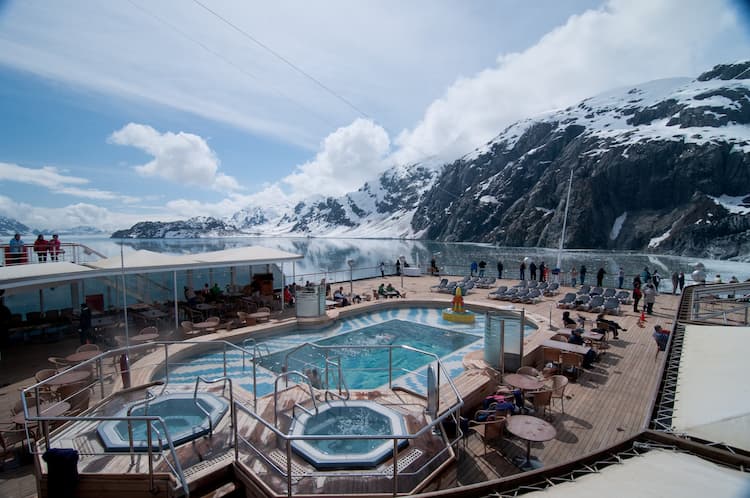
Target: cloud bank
{"points": [[181, 158]]}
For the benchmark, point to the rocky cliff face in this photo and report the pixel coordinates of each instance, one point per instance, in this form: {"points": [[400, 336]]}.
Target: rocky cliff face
{"points": [[649, 164], [661, 166], [188, 229]]}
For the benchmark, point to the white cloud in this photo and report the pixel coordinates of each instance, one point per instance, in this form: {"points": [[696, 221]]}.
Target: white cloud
{"points": [[346, 156], [624, 42], [182, 158], [65, 217], [51, 179]]}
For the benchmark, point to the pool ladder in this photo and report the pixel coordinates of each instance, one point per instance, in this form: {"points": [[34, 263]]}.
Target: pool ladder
{"points": [[224, 379], [149, 427]]}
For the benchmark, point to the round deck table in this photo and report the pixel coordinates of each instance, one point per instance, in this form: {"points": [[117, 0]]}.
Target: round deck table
{"points": [[140, 338], [82, 356], [54, 409], [72, 377], [530, 429], [523, 382]]}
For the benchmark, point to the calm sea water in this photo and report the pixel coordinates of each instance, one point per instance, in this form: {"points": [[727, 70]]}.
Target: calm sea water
{"points": [[329, 257]]}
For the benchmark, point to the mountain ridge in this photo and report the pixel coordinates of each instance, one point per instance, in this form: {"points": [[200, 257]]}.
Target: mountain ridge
{"points": [[651, 164]]}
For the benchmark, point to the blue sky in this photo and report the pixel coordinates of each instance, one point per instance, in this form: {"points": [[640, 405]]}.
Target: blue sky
{"points": [[116, 112]]}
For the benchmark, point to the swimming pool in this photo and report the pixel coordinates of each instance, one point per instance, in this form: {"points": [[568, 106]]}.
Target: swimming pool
{"points": [[468, 338]]}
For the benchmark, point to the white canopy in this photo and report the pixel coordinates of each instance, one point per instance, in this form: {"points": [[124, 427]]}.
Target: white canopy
{"points": [[713, 392], [656, 474], [40, 273], [147, 261]]}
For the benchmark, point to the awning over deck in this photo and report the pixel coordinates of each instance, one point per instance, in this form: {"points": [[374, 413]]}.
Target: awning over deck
{"points": [[41, 274], [655, 474], [713, 392]]}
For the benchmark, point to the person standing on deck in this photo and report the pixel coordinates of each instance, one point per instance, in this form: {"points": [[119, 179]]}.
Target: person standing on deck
{"points": [[382, 270], [532, 271], [473, 267], [499, 269], [84, 324], [600, 277], [40, 248], [582, 273], [675, 282], [620, 278], [482, 266], [681, 281], [542, 270], [523, 271], [398, 267], [573, 276], [54, 248], [15, 250], [649, 298], [636, 292]]}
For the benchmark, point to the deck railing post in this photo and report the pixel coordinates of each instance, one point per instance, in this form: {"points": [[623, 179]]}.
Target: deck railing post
{"points": [[150, 457]]}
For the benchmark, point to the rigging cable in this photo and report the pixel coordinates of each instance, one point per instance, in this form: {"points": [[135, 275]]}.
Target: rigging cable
{"points": [[283, 59], [229, 62]]}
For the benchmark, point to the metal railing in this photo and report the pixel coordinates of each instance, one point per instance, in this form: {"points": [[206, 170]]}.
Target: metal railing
{"points": [[451, 411]]}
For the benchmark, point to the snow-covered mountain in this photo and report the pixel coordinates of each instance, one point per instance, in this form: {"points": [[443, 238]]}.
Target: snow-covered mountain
{"points": [[650, 166], [664, 165]]}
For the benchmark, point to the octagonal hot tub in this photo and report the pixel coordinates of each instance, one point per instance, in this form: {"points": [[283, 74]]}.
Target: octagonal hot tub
{"points": [[336, 418], [184, 420]]}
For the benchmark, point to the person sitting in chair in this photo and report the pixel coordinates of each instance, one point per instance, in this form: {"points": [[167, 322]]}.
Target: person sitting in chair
{"points": [[568, 322], [613, 326], [339, 296], [381, 290], [391, 291], [576, 338]]}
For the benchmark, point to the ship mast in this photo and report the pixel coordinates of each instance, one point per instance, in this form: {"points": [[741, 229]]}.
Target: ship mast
{"points": [[565, 222]]}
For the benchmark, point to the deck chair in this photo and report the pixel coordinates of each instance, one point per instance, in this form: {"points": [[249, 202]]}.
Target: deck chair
{"points": [[609, 293], [509, 294], [542, 401], [572, 362], [488, 425], [497, 292], [596, 305], [582, 302], [87, 347], [528, 371], [12, 442], [442, 285], [552, 289], [596, 291], [533, 297], [532, 284], [612, 306], [58, 363], [542, 286], [519, 296], [624, 297], [551, 355], [559, 383], [78, 395], [567, 301], [584, 289]]}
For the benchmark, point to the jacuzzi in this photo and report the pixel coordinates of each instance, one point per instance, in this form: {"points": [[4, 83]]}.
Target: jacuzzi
{"points": [[184, 420], [348, 418]]}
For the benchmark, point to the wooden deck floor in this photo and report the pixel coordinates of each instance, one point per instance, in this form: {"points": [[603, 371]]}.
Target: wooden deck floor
{"points": [[608, 404]]}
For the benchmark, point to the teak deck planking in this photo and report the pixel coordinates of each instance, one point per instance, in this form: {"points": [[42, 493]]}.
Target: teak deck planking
{"points": [[608, 404]]}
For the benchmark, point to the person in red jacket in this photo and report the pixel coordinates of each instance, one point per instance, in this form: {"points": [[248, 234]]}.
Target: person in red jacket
{"points": [[54, 247], [40, 248]]}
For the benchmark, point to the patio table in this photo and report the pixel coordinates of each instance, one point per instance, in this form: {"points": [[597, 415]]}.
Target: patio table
{"points": [[530, 429]]}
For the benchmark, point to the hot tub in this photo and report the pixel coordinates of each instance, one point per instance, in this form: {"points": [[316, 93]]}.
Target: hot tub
{"points": [[348, 418], [184, 420]]}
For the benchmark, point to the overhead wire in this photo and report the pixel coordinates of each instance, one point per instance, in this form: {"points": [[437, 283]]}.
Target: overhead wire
{"points": [[229, 62], [283, 59]]}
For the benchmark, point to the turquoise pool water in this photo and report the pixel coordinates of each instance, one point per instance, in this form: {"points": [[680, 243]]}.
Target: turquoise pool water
{"points": [[366, 366], [419, 326]]}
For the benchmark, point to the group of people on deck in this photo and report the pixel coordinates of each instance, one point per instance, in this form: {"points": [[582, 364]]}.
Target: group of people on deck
{"points": [[388, 291], [42, 248]]}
